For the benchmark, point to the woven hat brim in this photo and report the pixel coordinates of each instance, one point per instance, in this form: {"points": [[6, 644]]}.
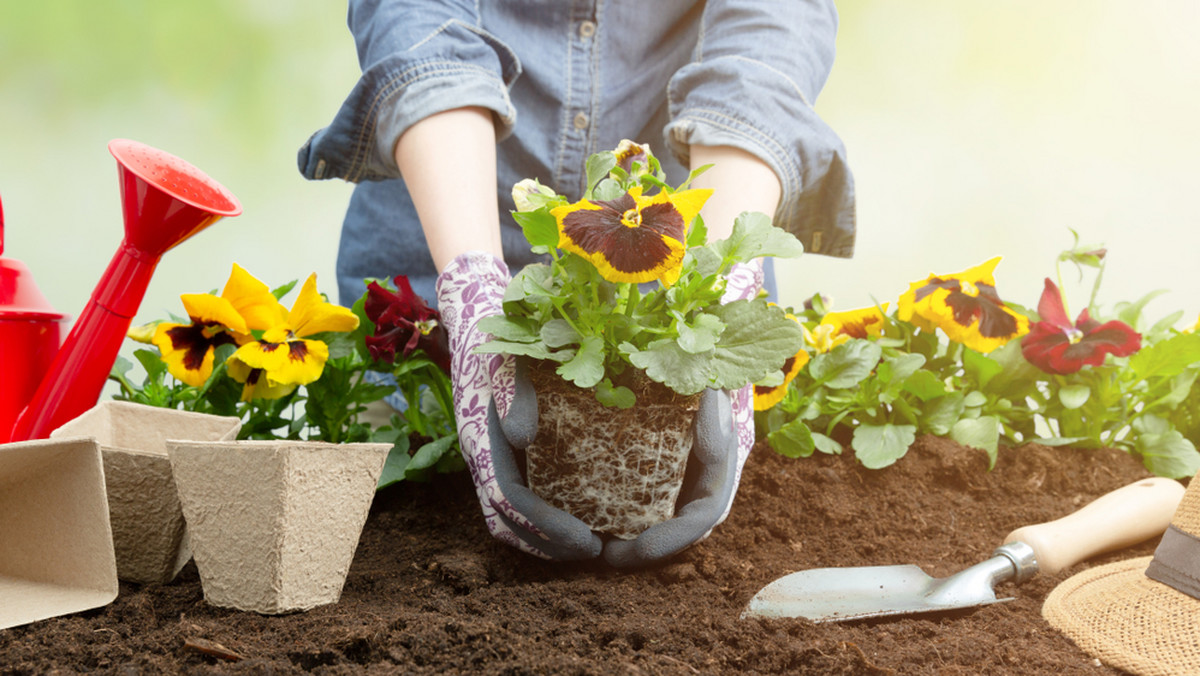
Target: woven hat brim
{"points": [[1117, 614]]}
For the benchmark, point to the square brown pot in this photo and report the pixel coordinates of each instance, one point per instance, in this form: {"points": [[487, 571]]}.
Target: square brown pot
{"points": [[149, 532], [274, 524]]}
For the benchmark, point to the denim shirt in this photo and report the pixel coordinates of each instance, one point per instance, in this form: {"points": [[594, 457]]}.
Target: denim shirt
{"points": [[568, 78]]}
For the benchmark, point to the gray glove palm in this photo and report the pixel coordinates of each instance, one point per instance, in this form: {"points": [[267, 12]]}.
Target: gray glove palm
{"points": [[708, 486]]}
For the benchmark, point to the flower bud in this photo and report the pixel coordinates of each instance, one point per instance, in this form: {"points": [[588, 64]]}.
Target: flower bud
{"points": [[529, 195]]}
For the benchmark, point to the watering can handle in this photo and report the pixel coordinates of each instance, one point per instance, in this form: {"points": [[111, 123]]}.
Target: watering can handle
{"points": [[1115, 520]]}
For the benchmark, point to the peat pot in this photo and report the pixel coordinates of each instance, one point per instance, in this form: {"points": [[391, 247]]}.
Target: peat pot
{"points": [[56, 548], [149, 533], [617, 470], [274, 524]]}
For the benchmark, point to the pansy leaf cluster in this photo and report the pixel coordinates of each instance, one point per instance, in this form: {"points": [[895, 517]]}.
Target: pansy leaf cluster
{"points": [[632, 286], [955, 360], [305, 372]]}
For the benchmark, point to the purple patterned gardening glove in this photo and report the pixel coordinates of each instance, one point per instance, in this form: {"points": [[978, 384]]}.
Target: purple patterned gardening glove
{"points": [[723, 434], [744, 282], [469, 289]]}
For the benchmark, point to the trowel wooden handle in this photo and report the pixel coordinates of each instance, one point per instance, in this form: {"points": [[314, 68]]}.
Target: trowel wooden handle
{"points": [[1124, 517]]}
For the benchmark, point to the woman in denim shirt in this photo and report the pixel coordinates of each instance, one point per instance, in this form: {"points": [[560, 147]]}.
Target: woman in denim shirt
{"points": [[460, 99]]}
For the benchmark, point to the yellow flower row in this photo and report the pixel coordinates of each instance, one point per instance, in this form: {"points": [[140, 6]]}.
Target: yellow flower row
{"points": [[964, 305]]}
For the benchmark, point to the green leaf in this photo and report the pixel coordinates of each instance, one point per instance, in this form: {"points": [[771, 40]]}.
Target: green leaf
{"points": [[535, 350], [897, 369], [540, 228], [982, 433], [980, 368], [939, 415], [877, 446], [925, 385], [975, 399], [697, 235], [702, 335], [393, 467], [754, 236], [1074, 396], [619, 397], [665, 362], [281, 291], [559, 333], [846, 365], [1164, 450], [1168, 357], [586, 368], [793, 440], [1131, 313], [826, 445], [757, 340], [597, 167], [426, 457], [152, 362], [608, 190]]}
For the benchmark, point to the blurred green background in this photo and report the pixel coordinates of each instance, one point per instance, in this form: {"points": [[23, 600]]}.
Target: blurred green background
{"points": [[973, 129]]}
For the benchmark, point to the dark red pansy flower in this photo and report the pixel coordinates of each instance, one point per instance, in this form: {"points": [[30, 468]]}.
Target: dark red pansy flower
{"points": [[1055, 345], [403, 323]]}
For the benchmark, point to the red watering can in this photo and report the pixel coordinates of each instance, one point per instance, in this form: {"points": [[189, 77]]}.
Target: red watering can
{"points": [[165, 201]]}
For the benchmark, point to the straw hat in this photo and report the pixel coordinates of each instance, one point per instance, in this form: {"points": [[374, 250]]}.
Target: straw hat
{"points": [[1141, 615]]}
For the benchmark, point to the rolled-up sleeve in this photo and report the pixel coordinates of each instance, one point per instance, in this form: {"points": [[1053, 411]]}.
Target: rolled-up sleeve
{"points": [[418, 59], [758, 68]]}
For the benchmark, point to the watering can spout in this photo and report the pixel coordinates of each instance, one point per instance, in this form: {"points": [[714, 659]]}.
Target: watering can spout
{"points": [[164, 202]]}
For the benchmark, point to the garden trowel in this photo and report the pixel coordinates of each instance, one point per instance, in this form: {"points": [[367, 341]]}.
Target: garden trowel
{"points": [[1124, 517]]}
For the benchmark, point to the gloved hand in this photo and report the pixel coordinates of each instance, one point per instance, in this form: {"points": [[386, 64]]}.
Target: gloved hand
{"points": [[724, 435], [469, 289]]}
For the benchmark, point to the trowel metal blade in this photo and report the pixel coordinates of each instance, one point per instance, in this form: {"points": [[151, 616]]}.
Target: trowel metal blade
{"points": [[840, 594]]}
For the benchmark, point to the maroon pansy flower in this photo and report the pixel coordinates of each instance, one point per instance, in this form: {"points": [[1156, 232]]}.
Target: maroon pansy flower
{"points": [[403, 323], [1055, 345]]}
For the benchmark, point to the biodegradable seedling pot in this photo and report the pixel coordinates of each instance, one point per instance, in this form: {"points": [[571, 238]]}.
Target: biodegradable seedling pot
{"points": [[149, 532], [56, 549], [274, 524], [617, 470]]}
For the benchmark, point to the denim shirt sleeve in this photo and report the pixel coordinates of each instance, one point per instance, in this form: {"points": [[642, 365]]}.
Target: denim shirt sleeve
{"points": [[758, 67], [418, 59]]}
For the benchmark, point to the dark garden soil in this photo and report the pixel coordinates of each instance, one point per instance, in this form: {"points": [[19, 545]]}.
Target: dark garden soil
{"points": [[430, 592]]}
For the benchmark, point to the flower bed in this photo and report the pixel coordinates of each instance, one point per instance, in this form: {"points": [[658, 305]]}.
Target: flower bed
{"points": [[430, 593]]}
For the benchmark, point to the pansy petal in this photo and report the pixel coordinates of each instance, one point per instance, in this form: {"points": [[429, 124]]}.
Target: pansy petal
{"points": [[861, 323], [766, 397], [188, 351], [623, 251], [209, 309], [686, 203], [253, 300], [313, 314], [295, 362], [1050, 307]]}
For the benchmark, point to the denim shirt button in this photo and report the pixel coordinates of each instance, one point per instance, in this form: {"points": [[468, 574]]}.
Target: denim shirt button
{"points": [[587, 29], [581, 121]]}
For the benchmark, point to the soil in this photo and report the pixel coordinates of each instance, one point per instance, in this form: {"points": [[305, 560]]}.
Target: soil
{"points": [[430, 592]]}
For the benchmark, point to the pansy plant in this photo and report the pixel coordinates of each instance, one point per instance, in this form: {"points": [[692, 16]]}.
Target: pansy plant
{"points": [[955, 360], [631, 283], [304, 372]]}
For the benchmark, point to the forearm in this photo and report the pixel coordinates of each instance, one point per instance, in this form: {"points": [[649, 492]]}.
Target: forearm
{"points": [[448, 161], [740, 182]]}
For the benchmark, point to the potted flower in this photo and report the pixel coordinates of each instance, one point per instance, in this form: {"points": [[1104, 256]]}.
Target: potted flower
{"points": [[624, 327], [275, 515]]}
